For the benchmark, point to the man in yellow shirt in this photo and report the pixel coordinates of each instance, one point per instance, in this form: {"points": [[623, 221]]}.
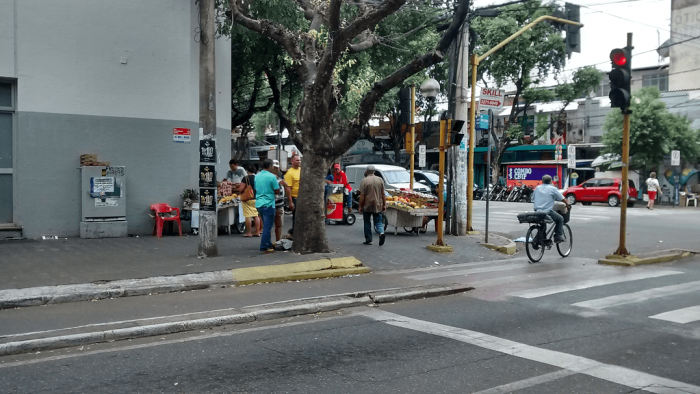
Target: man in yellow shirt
{"points": [[292, 178]]}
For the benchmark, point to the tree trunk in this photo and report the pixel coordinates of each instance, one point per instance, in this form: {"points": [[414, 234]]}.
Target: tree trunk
{"points": [[309, 226]]}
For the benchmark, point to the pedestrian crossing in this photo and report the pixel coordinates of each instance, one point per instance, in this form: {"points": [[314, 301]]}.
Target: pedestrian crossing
{"points": [[578, 278]]}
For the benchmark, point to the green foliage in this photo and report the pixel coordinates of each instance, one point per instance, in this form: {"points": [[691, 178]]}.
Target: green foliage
{"points": [[527, 59], [654, 131]]}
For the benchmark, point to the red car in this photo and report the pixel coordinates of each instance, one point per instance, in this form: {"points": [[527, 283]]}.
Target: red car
{"points": [[600, 190]]}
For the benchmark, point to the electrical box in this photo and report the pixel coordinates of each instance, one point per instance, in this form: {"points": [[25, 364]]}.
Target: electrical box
{"points": [[103, 198]]}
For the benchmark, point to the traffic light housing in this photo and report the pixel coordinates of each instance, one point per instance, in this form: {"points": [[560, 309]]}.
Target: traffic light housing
{"points": [[405, 104], [573, 32], [620, 78]]}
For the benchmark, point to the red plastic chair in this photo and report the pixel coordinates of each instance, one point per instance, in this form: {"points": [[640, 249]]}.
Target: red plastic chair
{"points": [[160, 219]]}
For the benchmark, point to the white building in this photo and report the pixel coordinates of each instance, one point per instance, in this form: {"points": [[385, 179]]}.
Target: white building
{"points": [[112, 78]]}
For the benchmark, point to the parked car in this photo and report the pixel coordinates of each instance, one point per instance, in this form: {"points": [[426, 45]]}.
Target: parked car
{"points": [[394, 177], [429, 178], [600, 190]]}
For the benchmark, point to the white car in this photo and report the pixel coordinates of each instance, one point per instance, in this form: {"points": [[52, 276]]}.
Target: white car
{"points": [[394, 177]]}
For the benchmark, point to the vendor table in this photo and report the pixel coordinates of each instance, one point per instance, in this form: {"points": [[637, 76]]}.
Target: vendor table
{"points": [[404, 217], [227, 215]]}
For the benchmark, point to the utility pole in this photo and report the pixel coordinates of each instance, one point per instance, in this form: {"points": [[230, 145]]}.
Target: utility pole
{"points": [[459, 181], [208, 242]]}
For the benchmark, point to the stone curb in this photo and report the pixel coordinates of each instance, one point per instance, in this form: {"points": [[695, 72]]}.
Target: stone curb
{"points": [[315, 269], [509, 249], [268, 312], [632, 261]]}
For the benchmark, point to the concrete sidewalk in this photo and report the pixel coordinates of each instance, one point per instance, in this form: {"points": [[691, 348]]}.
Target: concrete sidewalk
{"points": [[52, 262]]}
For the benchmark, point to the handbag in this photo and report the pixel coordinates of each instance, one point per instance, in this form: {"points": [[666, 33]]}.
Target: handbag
{"points": [[248, 193]]}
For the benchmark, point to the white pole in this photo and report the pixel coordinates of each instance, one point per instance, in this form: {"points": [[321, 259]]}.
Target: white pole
{"points": [[462, 113]]}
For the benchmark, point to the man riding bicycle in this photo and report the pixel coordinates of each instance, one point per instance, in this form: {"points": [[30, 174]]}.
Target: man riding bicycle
{"points": [[544, 196]]}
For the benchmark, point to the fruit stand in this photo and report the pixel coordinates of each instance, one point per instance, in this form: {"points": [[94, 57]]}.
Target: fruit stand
{"points": [[407, 209]]}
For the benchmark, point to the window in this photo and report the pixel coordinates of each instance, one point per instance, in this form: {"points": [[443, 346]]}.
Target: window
{"points": [[397, 177], [603, 89], [658, 80], [591, 183], [5, 94], [606, 183]]}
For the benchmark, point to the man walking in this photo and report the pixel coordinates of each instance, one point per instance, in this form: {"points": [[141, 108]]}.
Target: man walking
{"points": [[372, 204], [293, 177], [545, 195], [266, 187]]}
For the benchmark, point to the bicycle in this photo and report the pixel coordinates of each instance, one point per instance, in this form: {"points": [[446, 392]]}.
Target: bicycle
{"points": [[539, 238]]}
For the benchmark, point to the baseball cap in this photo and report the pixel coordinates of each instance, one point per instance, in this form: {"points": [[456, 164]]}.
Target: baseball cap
{"points": [[371, 168], [336, 165], [276, 163]]}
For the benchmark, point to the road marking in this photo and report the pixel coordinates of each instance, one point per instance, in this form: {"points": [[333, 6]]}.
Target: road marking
{"points": [[522, 277], [466, 272], [612, 373], [450, 266], [161, 343], [639, 296], [545, 291], [522, 384], [682, 316]]}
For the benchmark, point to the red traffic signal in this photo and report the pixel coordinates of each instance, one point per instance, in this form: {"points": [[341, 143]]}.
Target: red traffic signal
{"points": [[618, 57]]}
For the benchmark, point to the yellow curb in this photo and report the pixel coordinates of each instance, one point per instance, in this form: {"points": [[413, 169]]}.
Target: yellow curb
{"points": [[440, 249], [473, 233], [631, 261], [296, 271], [508, 249]]}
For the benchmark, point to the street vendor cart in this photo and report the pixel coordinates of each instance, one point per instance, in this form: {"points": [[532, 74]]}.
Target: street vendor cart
{"points": [[407, 209], [335, 208]]}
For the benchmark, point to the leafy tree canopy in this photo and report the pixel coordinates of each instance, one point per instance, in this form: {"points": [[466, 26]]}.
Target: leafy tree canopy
{"points": [[654, 131]]}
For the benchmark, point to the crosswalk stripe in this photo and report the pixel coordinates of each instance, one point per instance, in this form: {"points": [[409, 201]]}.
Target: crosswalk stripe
{"points": [[577, 364], [682, 316], [451, 266], [466, 272], [545, 291], [639, 296], [523, 277], [522, 384]]}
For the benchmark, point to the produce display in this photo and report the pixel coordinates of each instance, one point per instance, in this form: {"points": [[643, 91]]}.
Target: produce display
{"points": [[406, 199], [224, 200]]}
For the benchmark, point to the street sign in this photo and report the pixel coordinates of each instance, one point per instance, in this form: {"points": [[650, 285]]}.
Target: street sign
{"points": [[675, 157], [571, 156], [482, 122], [491, 98], [421, 155]]}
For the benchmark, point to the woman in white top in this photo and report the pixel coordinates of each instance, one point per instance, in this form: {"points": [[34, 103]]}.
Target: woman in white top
{"points": [[652, 188]]}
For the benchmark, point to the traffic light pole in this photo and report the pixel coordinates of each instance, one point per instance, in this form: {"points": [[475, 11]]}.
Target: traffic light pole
{"points": [[622, 249], [475, 60]]}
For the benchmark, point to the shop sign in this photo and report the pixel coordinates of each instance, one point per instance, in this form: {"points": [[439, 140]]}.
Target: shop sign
{"points": [[207, 176], [182, 135], [491, 98], [362, 146], [207, 151], [482, 122], [529, 175], [207, 199]]}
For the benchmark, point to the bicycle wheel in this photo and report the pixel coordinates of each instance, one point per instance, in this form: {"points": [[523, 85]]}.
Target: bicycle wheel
{"points": [[534, 250], [564, 248]]}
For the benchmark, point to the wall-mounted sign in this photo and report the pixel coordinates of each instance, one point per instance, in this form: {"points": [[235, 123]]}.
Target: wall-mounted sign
{"points": [[182, 135], [109, 202], [530, 175], [207, 199], [207, 151], [571, 156], [102, 185], [207, 175]]}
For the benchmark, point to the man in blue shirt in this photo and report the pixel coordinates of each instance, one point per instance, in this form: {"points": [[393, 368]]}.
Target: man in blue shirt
{"points": [[266, 186], [545, 195]]}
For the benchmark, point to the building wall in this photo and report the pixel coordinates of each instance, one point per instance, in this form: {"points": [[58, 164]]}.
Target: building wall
{"points": [[75, 95], [685, 24]]}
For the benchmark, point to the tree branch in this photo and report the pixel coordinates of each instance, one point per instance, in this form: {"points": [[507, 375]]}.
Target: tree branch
{"points": [[369, 19], [281, 113], [306, 8]]}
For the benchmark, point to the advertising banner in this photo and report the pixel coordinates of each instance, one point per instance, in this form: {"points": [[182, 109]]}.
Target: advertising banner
{"points": [[530, 175]]}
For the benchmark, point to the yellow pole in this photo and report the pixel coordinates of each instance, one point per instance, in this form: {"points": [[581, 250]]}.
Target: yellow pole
{"points": [[622, 250], [441, 202], [412, 146], [472, 133], [472, 115]]}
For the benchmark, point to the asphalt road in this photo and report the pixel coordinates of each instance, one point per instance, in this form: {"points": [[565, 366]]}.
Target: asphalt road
{"points": [[562, 325], [596, 228]]}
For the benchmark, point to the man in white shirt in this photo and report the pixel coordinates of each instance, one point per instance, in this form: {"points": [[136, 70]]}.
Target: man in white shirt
{"points": [[235, 175], [545, 195]]}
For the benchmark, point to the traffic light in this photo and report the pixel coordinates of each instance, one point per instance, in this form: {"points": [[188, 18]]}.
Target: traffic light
{"points": [[620, 77], [405, 104], [573, 35]]}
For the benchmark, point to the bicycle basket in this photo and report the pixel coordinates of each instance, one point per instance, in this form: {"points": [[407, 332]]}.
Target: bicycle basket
{"points": [[532, 217]]}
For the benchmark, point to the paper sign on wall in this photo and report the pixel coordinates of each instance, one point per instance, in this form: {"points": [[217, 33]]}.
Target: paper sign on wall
{"points": [[182, 135]]}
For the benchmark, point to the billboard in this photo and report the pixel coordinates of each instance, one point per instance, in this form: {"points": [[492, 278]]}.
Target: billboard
{"points": [[531, 175]]}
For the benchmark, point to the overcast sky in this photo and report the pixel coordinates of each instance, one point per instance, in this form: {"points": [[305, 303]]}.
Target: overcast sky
{"points": [[606, 24]]}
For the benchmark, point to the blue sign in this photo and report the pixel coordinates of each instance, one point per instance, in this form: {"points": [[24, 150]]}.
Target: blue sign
{"points": [[482, 123]]}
